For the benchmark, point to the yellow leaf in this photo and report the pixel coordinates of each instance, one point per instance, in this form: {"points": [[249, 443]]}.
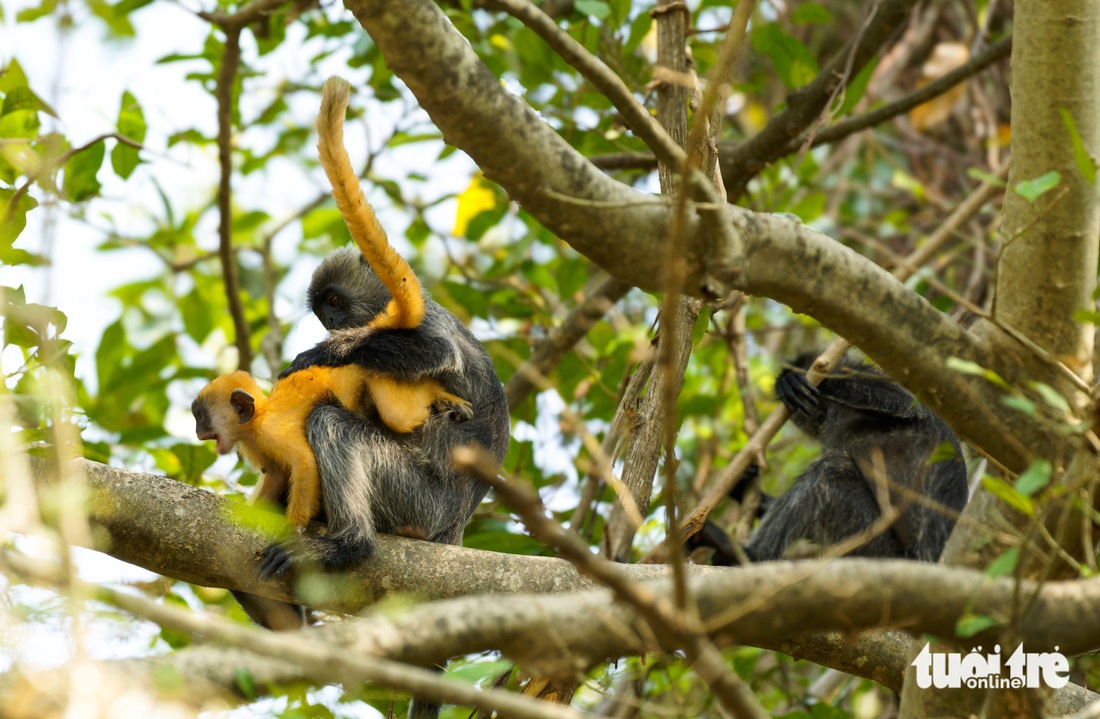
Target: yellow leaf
{"points": [[472, 201]]}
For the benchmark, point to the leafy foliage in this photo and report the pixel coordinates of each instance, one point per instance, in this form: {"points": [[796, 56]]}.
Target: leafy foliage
{"points": [[483, 258]]}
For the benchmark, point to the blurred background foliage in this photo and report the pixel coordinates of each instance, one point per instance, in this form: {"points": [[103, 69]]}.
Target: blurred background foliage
{"points": [[165, 332]]}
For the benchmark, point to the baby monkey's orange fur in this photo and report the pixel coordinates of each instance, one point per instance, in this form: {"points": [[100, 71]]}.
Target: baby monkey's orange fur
{"points": [[272, 430]]}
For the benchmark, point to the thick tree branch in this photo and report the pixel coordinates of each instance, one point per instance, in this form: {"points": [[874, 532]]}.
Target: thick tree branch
{"points": [[193, 535], [591, 211], [624, 232], [182, 532], [319, 662]]}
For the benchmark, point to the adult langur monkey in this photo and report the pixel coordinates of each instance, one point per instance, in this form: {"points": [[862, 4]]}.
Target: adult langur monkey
{"points": [[372, 478]]}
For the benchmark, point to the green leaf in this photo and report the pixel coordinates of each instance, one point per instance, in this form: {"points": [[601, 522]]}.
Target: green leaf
{"points": [[480, 671], [986, 177], [1088, 316], [325, 221], [34, 13], [80, 173], [1005, 492], [14, 221], [198, 319], [571, 278], [1086, 165], [857, 88], [1031, 190], [1051, 396], [131, 124], [21, 98], [1034, 478], [595, 8], [1004, 564], [108, 356], [245, 682], [1022, 405], [970, 624], [12, 77], [472, 298], [967, 367], [795, 64]]}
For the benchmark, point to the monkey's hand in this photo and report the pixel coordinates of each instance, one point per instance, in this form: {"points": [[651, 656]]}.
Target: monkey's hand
{"points": [[748, 479], [797, 394], [458, 409], [310, 358], [711, 535]]}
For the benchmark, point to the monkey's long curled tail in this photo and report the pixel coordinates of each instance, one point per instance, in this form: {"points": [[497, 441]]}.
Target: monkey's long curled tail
{"points": [[407, 309]]}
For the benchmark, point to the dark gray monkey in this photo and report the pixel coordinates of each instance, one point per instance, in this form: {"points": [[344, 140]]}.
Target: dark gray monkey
{"points": [[372, 478], [863, 420]]}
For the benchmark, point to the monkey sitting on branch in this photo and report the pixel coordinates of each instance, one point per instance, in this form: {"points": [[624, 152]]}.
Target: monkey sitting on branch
{"points": [[383, 323], [272, 431], [373, 479], [881, 450]]}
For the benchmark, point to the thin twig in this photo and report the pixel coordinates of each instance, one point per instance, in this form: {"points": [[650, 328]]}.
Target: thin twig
{"points": [[245, 16], [227, 75], [840, 130], [548, 352]]}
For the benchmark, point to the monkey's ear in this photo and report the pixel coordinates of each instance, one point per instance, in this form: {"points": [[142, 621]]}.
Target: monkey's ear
{"points": [[244, 404]]}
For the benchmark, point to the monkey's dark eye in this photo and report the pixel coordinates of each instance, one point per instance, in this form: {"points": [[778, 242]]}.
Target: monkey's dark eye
{"points": [[332, 299]]}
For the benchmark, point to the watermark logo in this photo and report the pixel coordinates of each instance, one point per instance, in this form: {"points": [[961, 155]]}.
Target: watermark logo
{"points": [[951, 670]]}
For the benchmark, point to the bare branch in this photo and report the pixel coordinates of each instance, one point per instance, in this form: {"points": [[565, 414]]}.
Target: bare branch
{"points": [[227, 76]]}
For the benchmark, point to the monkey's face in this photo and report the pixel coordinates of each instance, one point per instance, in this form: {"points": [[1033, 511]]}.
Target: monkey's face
{"points": [[213, 421], [333, 307], [224, 408], [344, 292]]}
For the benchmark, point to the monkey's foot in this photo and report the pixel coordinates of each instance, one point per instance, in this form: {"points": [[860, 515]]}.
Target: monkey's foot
{"points": [[459, 409], [799, 395], [276, 560], [313, 552]]}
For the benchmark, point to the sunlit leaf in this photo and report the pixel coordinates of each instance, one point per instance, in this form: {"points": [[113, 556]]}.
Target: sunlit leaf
{"points": [[1033, 189], [1034, 478], [475, 199], [595, 8], [1005, 492], [80, 173], [1051, 396], [1004, 564], [131, 124], [970, 624], [795, 64]]}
